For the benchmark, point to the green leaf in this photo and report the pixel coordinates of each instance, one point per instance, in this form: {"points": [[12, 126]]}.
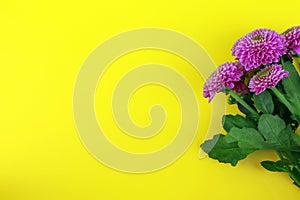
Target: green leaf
{"points": [[296, 156], [218, 148], [291, 83], [264, 102], [296, 139], [287, 140], [295, 176], [281, 110], [238, 121], [270, 127], [278, 166], [245, 137], [291, 86], [277, 135], [285, 137]]}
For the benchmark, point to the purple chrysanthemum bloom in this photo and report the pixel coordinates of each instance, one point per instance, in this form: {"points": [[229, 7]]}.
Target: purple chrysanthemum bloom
{"points": [[259, 47], [227, 75], [212, 86], [267, 78], [292, 39]]}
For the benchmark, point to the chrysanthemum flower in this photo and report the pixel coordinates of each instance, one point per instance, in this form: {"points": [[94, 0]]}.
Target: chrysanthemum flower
{"points": [[212, 86], [259, 47], [267, 78], [227, 75], [292, 39]]}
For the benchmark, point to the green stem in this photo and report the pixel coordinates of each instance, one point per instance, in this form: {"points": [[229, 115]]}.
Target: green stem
{"points": [[242, 102], [279, 155], [283, 99], [285, 102]]}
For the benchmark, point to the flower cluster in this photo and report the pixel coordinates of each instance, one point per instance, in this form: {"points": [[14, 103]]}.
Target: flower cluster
{"points": [[264, 84], [258, 55]]}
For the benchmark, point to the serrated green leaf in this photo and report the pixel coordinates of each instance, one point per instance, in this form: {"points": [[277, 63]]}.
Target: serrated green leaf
{"points": [[275, 166], [264, 102], [277, 135], [245, 137], [238, 121], [218, 148], [270, 127]]}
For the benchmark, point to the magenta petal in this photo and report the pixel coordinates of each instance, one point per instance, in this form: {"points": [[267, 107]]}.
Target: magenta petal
{"points": [[227, 75], [297, 49], [259, 47], [267, 78], [292, 39]]}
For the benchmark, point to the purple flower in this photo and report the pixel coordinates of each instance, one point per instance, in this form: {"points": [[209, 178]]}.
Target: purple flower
{"points": [[227, 75], [259, 47], [267, 78], [292, 39], [212, 86]]}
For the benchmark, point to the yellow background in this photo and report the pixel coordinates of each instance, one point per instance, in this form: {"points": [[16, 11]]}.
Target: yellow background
{"points": [[42, 46]]}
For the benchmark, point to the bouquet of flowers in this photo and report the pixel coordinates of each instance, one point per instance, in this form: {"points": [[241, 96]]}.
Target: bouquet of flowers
{"points": [[264, 83]]}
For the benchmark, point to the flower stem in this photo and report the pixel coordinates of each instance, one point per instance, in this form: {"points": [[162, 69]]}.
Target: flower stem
{"points": [[242, 102], [279, 155], [285, 102], [283, 99]]}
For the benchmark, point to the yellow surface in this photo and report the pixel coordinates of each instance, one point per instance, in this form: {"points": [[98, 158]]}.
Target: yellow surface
{"points": [[42, 46]]}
